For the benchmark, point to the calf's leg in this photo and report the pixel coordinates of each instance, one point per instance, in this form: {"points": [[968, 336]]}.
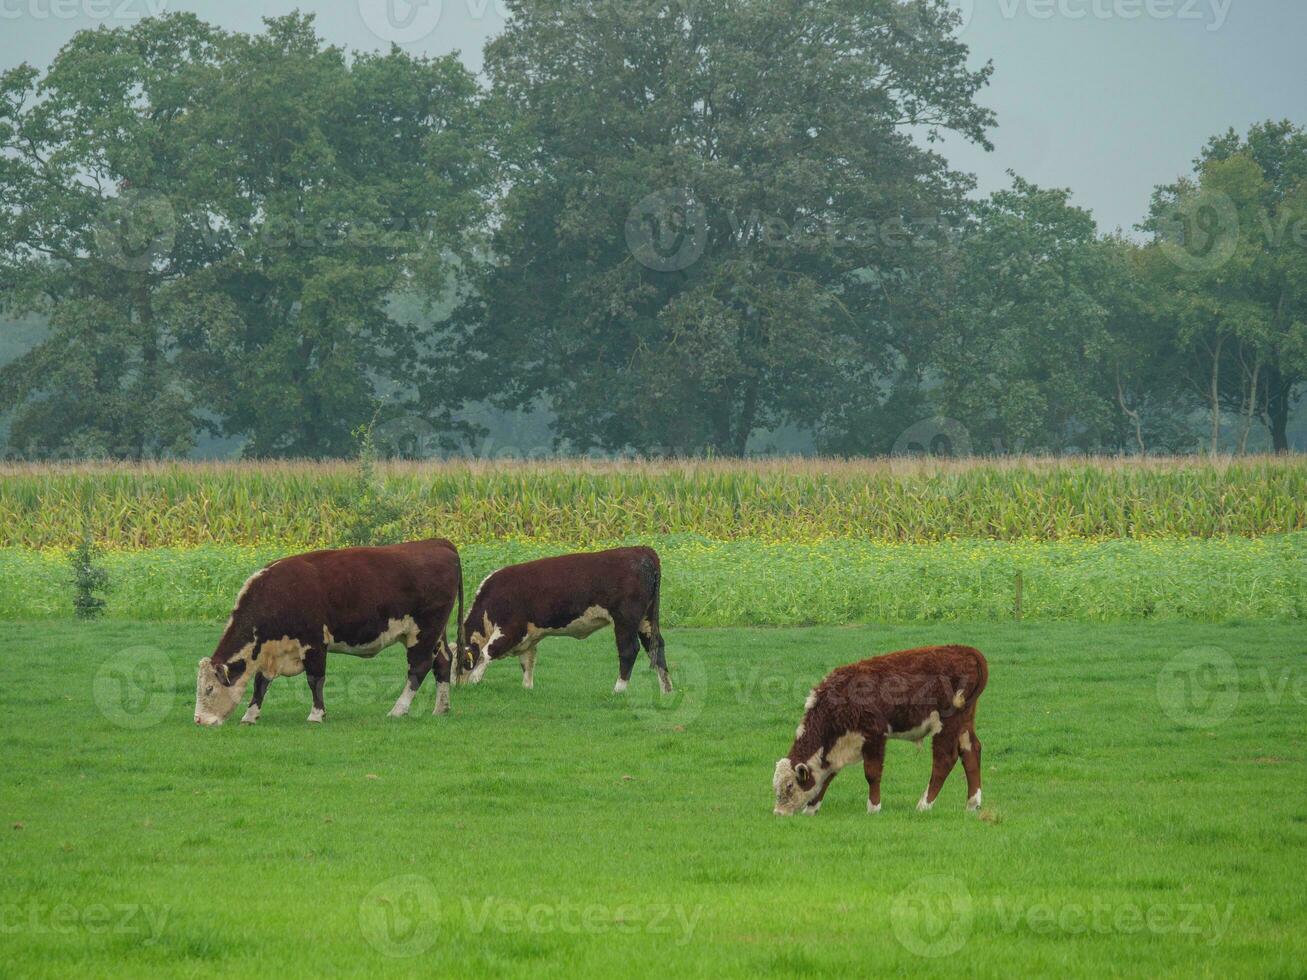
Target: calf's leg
{"points": [[969, 744], [528, 660], [873, 762], [944, 756], [256, 702], [815, 803]]}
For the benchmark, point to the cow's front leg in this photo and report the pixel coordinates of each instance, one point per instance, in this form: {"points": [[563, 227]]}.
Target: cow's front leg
{"points": [[315, 669], [814, 804], [528, 661], [256, 702], [873, 762]]}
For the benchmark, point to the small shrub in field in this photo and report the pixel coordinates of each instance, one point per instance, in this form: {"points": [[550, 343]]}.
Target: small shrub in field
{"points": [[90, 578], [372, 515]]}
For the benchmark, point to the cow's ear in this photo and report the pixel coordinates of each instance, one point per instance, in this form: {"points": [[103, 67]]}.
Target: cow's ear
{"points": [[804, 775], [234, 672]]}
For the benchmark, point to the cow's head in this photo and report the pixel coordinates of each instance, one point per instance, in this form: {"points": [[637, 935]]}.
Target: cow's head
{"points": [[795, 786], [218, 689], [477, 640]]}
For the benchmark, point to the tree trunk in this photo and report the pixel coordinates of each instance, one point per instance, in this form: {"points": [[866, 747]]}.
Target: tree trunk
{"points": [[1277, 409], [1214, 397], [1133, 416], [748, 412], [1247, 424]]}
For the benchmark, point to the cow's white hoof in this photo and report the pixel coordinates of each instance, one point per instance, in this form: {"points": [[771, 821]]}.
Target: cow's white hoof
{"points": [[397, 711], [812, 809], [251, 715], [974, 802], [316, 715], [923, 804], [873, 807], [619, 687]]}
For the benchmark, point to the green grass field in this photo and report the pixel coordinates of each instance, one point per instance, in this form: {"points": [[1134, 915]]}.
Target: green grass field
{"points": [[1144, 815]]}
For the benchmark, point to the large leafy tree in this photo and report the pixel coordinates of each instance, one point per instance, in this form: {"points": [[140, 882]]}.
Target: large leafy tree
{"points": [[91, 159], [217, 225], [719, 214], [332, 185]]}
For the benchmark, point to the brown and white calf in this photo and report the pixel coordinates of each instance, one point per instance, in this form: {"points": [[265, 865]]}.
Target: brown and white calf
{"points": [[568, 595], [912, 695], [358, 601]]}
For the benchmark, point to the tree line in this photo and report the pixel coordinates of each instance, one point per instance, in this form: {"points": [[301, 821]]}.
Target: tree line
{"points": [[674, 224]]}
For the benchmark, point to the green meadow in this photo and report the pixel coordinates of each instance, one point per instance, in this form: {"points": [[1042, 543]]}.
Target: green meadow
{"points": [[1143, 814]]}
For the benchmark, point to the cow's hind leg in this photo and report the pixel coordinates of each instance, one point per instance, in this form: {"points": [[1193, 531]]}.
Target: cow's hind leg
{"points": [[419, 665], [969, 744], [442, 664], [628, 648], [315, 670], [652, 640], [256, 702], [944, 756]]}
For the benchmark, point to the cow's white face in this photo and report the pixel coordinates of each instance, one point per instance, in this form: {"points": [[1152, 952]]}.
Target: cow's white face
{"points": [[215, 695], [795, 787]]}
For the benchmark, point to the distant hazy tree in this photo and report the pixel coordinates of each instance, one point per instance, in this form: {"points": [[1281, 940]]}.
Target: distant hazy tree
{"points": [[1023, 353], [719, 215], [1231, 267]]}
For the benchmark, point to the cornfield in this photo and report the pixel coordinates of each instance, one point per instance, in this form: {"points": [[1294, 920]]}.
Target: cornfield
{"points": [[304, 505]]}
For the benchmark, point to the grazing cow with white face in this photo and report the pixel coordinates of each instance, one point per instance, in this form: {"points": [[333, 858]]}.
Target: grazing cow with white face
{"points": [[851, 714], [569, 595], [358, 601]]}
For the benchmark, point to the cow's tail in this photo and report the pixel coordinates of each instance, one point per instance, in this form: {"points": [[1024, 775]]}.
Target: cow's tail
{"points": [[460, 633]]}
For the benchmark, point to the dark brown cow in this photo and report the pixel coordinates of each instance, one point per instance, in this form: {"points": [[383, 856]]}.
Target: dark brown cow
{"points": [[908, 695], [359, 601], [569, 595]]}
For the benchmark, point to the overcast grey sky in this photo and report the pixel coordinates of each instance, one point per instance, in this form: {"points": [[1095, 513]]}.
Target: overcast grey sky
{"points": [[1107, 97]]}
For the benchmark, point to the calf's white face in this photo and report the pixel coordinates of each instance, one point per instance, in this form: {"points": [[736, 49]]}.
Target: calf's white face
{"points": [[216, 696], [795, 787]]}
